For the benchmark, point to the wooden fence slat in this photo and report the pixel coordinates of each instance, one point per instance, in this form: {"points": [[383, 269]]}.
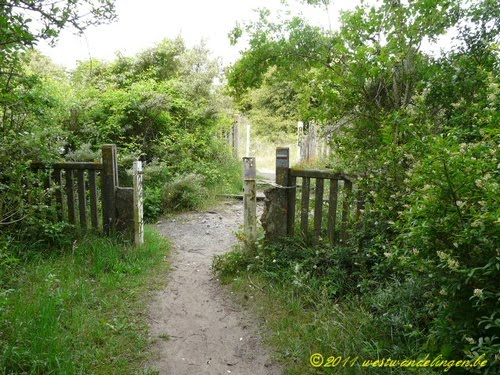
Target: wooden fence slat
{"points": [[94, 218], [345, 209], [304, 213], [332, 210], [292, 200], [70, 196], [56, 176], [72, 187], [82, 199], [318, 207], [109, 178]]}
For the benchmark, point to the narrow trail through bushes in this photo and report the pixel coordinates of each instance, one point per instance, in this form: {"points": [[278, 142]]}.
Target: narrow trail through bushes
{"points": [[196, 326]]}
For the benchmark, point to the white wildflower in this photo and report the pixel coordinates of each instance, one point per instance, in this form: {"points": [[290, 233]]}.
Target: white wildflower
{"points": [[470, 340]]}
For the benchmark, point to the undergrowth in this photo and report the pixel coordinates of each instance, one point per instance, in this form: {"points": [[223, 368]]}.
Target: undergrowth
{"points": [[316, 299], [79, 311]]}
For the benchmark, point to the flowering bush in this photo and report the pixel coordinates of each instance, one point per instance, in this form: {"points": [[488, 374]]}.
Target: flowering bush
{"points": [[449, 237]]}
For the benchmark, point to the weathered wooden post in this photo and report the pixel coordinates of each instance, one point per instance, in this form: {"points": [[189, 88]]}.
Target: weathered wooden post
{"points": [[282, 165], [275, 216], [250, 203], [283, 179], [109, 185], [138, 204]]}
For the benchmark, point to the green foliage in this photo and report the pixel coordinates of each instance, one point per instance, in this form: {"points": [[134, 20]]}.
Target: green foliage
{"points": [[168, 189], [184, 193], [421, 132], [71, 307], [32, 106], [24, 23], [272, 108], [162, 107], [451, 234], [80, 311], [314, 301], [228, 265]]}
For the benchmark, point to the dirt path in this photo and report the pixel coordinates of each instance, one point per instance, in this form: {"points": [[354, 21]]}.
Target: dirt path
{"points": [[197, 327]]}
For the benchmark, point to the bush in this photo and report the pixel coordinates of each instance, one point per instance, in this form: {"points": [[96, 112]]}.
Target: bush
{"points": [[230, 264], [156, 175], [449, 239], [184, 193]]}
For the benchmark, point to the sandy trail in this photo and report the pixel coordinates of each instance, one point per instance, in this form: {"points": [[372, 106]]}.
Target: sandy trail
{"points": [[197, 327]]}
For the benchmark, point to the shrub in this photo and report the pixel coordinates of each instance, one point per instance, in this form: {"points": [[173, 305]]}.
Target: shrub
{"points": [[184, 193], [449, 239], [229, 264]]}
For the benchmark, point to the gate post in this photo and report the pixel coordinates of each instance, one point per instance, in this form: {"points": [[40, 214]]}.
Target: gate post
{"points": [[109, 185], [138, 204], [250, 203], [282, 165], [283, 179], [275, 216]]}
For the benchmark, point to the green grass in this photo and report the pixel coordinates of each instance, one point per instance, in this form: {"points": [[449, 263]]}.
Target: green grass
{"points": [[301, 316], [83, 311]]}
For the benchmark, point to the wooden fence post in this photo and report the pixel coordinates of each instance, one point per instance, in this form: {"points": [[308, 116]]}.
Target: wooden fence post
{"points": [[109, 185], [282, 165], [274, 217], [283, 179], [250, 203], [138, 204]]}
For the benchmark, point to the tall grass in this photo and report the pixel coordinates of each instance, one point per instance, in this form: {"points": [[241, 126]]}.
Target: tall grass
{"points": [[80, 312]]}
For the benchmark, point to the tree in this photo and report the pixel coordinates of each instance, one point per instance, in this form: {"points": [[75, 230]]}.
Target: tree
{"points": [[421, 132], [24, 22], [164, 90], [161, 105], [272, 108], [31, 104]]}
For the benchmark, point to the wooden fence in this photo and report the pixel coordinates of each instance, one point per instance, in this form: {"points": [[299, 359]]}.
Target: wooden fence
{"points": [[88, 195], [335, 207]]}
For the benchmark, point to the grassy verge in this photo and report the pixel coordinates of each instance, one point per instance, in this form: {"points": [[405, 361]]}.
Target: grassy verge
{"points": [[80, 312], [309, 305]]}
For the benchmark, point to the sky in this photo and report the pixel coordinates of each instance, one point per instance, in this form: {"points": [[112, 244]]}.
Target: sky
{"points": [[143, 23]]}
